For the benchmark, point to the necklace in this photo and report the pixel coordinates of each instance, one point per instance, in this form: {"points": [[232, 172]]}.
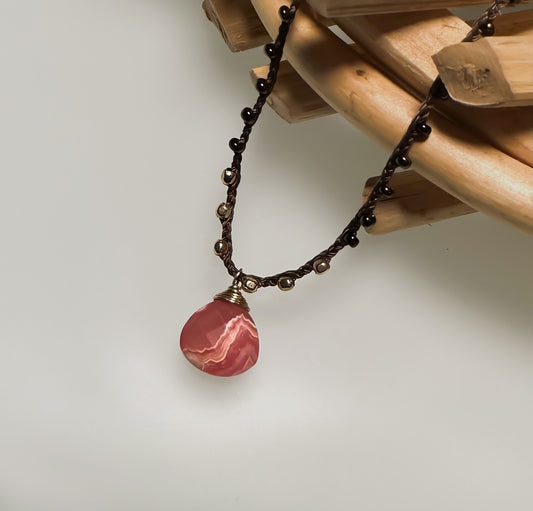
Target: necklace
{"points": [[221, 338]]}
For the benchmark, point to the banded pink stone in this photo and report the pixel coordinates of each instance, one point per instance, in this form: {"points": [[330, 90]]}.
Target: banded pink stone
{"points": [[220, 339]]}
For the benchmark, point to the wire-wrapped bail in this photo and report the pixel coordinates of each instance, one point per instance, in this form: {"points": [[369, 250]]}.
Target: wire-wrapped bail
{"points": [[233, 293]]}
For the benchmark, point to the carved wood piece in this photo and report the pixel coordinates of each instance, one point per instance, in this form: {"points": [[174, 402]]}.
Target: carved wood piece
{"points": [[404, 44], [493, 71], [239, 25], [237, 22], [453, 158], [336, 8], [415, 202], [292, 99]]}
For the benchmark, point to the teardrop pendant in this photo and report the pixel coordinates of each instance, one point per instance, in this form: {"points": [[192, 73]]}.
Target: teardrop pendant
{"points": [[221, 337]]}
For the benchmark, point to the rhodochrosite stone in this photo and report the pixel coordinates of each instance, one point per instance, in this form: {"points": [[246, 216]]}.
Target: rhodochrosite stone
{"points": [[220, 339]]}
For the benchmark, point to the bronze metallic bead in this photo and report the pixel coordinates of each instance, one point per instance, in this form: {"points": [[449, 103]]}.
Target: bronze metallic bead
{"points": [[285, 283], [221, 247], [250, 284], [229, 176], [223, 211], [321, 266]]}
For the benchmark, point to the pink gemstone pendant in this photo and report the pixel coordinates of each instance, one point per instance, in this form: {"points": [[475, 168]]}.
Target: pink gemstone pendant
{"points": [[221, 338]]}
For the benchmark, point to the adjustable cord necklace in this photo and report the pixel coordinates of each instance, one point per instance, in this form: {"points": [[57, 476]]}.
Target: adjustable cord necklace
{"points": [[221, 338]]}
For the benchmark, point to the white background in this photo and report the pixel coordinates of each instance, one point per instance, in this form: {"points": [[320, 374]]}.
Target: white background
{"points": [[401, 380]]}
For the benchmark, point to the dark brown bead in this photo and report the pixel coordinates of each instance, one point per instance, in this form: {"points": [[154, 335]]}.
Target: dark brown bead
{"points": [[271, 50], [423, 131], [487, 29], [248, 115], [263, 86], [403, 161], [350, 238], [236, 145], [285, 13], [369, 219], [386, 190]]}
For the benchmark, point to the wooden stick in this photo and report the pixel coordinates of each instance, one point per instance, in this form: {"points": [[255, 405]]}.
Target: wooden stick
{"points": [[404, 43], [336, 8], [292, 99], [453, 158], [237, 22], [415, 202], [493, 71]]}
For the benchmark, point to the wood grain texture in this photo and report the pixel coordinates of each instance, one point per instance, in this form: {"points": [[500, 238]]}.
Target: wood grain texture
{"points": [[453, 158], [493, 71], [415, 202], [335, 8], [237, 22], [404, 44], [292, 99]]}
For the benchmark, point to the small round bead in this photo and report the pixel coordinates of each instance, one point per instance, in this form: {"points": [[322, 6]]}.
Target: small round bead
{"points": [[221, 247], [321, 266], [263, 86], [236, 145], [223, 211], [271, 50], [423, 131], [386, 190], [250, 284], [248, 115], [229, 176], [285, 13], [350, 238], [285, 283], [403, 161], [369, 219], [487, 29]]}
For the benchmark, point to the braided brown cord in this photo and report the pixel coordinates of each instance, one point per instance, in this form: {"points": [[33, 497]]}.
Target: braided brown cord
{"points": [[401, 151]]}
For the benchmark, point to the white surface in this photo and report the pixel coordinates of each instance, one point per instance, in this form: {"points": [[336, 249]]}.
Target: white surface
{"points": [[402, 380]]}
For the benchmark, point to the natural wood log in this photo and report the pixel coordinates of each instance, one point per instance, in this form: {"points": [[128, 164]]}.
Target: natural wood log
{"points": [[453, 158], [404, 44], [415, 202], [492, 71], [336, 8], [237, 22], [292, 99]]}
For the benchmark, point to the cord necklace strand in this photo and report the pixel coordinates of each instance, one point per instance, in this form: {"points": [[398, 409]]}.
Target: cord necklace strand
{"points": [[417, 131], [221, 338]]}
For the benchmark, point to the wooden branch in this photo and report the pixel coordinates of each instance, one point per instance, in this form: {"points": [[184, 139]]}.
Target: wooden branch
{"points": [[336, 8], [404, 44], [292, 99], [493, 71], [453, 158], [415, 202], [237, 22]]}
